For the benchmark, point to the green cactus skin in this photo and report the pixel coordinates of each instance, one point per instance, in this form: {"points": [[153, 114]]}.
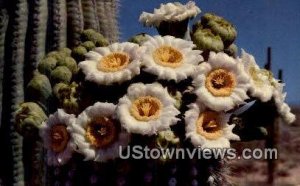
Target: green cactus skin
{"points": [[74, 22], [90, 14], [3, 26], [36, 36], [107, 14], [13, 93], [57, 25]]}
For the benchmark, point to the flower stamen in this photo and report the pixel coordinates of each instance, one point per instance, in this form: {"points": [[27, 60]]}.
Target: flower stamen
{"points": [[101, 132], [208, 125], [220, 82], [146, 108], [168, 56], [114, 62]]}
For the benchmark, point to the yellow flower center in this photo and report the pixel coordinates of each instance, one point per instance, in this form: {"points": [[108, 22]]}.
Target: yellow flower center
{"points": [[114, 62], [102, 132], [146, 108], [59, 137], [220, 82], [208, 126], [168, 56]]}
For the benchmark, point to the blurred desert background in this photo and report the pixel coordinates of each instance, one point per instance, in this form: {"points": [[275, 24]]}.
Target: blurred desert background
{"points": [[287, 173]]}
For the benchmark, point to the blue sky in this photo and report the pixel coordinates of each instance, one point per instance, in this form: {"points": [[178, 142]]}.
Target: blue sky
{"points": [[260, 23]]}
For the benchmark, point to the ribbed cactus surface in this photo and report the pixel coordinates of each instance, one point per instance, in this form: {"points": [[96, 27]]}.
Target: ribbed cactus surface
{"points": [[13, 93], [57, 25], [29, 30]]}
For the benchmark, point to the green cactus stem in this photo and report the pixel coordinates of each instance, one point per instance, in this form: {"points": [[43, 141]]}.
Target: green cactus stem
{"points": [[57, 25], [107, 15], [13, 94], [3, 26], [90, 17], [36, 36], [74, 22]]}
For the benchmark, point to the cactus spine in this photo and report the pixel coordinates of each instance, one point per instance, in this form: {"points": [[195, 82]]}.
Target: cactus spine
{"points": [[57, 25], [90, 14], [107, 14], [3, 26], [13, 93], [36, 35], [75, 22], [52, 24]]}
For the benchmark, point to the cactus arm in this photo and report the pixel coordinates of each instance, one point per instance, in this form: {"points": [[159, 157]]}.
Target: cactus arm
{"points": [[107, 11], [74, 22], [57, 25], [89, 14], [36, 36], [13, 93], [3, 27]]}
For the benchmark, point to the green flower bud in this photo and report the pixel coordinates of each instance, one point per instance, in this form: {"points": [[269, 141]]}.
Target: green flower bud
{"points": [[221, 27], [39, 88], [139, 38], [61, 74], [78, 53], [59, 56], [65, 51], [67, 96], [29, 117], [70, 63], [89, 45], [165, 138], [47, 65], [197, 25], [208, 17], [71, 105], [95, 37], [232, 50], [61, 90], [206, 41]]}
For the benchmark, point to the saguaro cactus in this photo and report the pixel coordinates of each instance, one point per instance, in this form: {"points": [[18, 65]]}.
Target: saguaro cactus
{"points": [[107, 11], [52, 24], [36, 35], [57, 25], [13, 93]]}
